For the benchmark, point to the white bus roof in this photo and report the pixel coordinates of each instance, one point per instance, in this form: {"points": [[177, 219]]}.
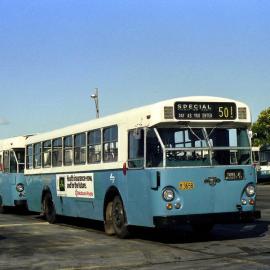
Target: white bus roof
{"points": [[146, 116], [10, 143]]}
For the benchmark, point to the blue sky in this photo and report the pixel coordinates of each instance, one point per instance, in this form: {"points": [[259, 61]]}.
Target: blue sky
{"points": [[53, 53]]}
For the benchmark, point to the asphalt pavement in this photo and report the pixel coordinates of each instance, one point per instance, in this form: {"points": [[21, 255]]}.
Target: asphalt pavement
{"points": [[29, 242]]}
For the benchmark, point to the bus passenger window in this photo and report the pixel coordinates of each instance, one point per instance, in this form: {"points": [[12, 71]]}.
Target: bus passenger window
{"points": [[29, 157], [13, 162], [57, 152], [1, 163], [80, 148], [6, 161], [47, 154], [110, 144], [68, 150], [94, 146], [136, 148], [37, 155]]}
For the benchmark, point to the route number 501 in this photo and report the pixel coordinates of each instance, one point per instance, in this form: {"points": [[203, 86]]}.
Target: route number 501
{"points": [[225, 112]]}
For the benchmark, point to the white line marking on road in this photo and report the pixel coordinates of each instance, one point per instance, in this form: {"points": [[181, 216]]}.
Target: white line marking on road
{"points": [[26, 224]]}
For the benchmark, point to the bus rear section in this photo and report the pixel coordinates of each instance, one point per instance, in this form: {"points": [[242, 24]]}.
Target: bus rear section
{"points": [[12, 179], [194, 175]]}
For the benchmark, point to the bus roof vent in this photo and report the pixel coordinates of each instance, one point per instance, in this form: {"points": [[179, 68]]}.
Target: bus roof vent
{"points": [[242, 113], [168, 112]]}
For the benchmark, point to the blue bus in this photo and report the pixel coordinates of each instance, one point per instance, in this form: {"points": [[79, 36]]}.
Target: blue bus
{"points": [[263, 172], [184, 160], [12, 180]]}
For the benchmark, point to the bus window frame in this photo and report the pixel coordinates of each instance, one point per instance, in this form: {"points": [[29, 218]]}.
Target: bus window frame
{"points": [[27, 157], [1, 163], [100, 130], [48, 151], [6, 169], [37, 163], [144, 150], [15, 150], [55, 149], [12, 155], [80, 148], [104, 142], [65, 148]]}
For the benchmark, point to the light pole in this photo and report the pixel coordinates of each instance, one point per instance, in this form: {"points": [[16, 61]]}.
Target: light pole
{"points": [[95, 97]]}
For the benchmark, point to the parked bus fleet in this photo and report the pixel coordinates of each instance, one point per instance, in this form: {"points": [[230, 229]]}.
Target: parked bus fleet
{"points": [[184, 160]]}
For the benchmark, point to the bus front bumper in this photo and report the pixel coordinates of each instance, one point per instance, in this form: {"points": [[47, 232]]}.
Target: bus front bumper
{"points": [[20, 203], [216, 218]]}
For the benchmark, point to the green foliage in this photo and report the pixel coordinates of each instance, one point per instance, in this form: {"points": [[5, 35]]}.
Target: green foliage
{"points": [[261, 129]]}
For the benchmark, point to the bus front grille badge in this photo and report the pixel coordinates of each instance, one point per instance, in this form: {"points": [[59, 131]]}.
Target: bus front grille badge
{"points": [[212, 181]]}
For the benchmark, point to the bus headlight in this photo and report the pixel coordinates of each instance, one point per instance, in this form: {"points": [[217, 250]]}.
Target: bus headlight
{"points": [[250, 190], [20, 187], [168, 194]]}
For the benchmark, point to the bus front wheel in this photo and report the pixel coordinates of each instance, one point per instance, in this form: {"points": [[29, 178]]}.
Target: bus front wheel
{"points": [[48, 208], [119, 218], [108, 224]]}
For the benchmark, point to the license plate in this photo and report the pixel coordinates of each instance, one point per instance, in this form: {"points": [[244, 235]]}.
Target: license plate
{"points": [[234, 174], [186, 185]]}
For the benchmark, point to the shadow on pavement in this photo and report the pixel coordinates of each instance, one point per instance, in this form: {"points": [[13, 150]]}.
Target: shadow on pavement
{"points": [[219, 233], [2, 238], [183, 234]]}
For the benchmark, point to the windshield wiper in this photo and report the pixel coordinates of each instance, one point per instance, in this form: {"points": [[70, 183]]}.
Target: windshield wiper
{"points": [[191, 130]]}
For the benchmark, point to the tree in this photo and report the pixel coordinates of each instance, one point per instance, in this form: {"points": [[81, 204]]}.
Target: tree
{"points": [[261, 129]]}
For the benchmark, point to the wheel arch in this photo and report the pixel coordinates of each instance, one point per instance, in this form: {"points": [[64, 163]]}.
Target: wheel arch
{"points": [[45, 190], [110, 194]]}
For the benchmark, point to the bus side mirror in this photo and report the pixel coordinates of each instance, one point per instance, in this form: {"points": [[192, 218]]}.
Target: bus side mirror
{"points": [[251, 134]]}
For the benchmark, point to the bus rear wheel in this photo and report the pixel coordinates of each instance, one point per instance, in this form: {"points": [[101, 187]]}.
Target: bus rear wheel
{"points": [[119, 218], [48, 208]]}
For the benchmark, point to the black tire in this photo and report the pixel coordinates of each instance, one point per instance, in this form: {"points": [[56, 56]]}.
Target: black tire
{"points": [[108, 223], [119, 220], [48, 208]]}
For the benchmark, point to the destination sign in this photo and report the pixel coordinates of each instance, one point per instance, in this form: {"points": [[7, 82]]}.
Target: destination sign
{"points": [[205, 110]]}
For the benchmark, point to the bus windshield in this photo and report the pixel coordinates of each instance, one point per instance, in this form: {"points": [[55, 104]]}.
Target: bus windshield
{"points": [[264, 157], [174, 147], [17, 160]]}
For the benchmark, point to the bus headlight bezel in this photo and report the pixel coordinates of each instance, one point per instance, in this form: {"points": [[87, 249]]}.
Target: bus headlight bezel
{"points": [[168, 194], [20, 187], [250, 190]]}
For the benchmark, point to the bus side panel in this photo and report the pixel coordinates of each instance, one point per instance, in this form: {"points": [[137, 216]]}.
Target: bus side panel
{"points": [[133, 188], [91, 208], [35, 184], [103, 181], [6, 189], [138, 203]]}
